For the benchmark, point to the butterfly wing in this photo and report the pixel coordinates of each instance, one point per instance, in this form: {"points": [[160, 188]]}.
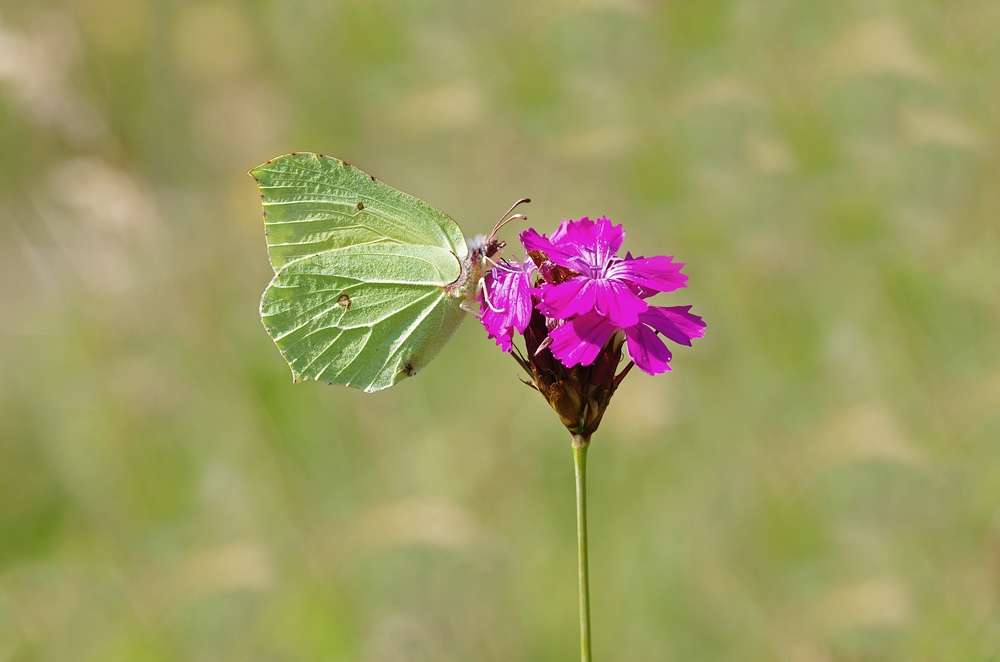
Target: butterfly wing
{"points": [[361, 295], [313, 203]]}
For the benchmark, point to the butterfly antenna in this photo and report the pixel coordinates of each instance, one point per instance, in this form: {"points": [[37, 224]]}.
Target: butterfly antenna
{"points": [[507, 217]]}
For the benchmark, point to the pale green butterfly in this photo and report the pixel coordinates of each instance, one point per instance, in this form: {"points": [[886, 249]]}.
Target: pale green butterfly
{"points": [[369, 282]]}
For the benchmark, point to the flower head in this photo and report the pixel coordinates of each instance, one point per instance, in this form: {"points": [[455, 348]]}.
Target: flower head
{"points": [[578, 303]]}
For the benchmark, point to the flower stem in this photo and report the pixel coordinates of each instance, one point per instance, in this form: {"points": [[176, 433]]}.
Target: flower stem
{"points": [[580, 445]]}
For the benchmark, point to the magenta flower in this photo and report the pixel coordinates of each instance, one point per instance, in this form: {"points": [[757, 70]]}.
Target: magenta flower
{"points": [[577, 304]]}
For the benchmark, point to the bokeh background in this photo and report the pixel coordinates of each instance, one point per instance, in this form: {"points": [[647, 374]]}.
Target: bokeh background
{"points": [[817, 481]]}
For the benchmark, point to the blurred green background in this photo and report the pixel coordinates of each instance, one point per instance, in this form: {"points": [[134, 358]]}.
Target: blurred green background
{"points": [[817, 481]]}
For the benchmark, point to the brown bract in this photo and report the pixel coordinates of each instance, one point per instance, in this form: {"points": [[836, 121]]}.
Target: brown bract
{"points": [[581, 394]]}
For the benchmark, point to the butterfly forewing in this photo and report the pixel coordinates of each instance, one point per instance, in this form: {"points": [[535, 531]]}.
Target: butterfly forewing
{"points": [[314, 203]]}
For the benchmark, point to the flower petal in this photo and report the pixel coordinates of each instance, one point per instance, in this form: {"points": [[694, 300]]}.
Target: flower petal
{"points": [[609, 238], [496, 326], [647, 350], [574, 297], [595, 242], [659, 273], [504, 338], [506, 301], [579, 236], [580, 340], [567, 225], [674, 322], [618, 303]]}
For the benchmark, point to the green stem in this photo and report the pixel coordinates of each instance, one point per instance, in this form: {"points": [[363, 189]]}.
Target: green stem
{"points": [[580, 445]]}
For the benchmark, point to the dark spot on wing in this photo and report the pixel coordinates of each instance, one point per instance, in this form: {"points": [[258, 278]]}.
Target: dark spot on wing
{"points": [[409, 369], [344, 301], [346, 164], [295, 153], [373, 179], [360, 205]]}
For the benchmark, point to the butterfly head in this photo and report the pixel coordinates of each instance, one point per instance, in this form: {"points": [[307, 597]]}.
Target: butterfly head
{"points": [[482, 247], [494, 246], [482, 250]]}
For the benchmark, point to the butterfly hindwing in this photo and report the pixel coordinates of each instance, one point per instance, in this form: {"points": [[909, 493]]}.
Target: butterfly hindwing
{"points": [[361, 293]]}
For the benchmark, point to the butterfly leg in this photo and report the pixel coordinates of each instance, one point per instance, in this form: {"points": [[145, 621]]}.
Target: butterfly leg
{"points": [[481, 287], [470, 305]]}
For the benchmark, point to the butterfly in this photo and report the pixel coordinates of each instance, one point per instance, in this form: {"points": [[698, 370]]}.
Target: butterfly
{"points": [[369, 282]]}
